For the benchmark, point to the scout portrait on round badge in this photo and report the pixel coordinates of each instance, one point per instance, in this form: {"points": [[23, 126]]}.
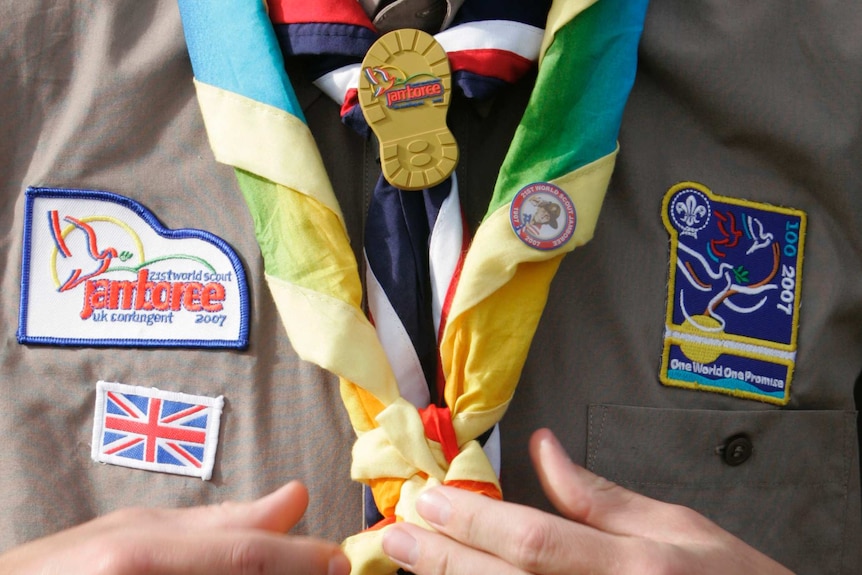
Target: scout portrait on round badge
{"points": [[545, 212], [543, 216]]}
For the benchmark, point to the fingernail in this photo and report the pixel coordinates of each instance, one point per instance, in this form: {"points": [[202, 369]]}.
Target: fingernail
{"points": [[550, 441], [338, 565], [400, 546], [434, 507]]}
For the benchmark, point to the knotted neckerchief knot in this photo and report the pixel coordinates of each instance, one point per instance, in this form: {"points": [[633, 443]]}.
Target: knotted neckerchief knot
{"points": [[412, 449]]}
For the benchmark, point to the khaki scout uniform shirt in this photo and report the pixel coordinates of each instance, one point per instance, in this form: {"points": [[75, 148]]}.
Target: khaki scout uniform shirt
{"points": [[759, 103]]}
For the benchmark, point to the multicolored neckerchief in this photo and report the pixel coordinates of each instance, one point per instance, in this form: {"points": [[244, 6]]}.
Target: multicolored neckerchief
{"points": [[565, 144]]}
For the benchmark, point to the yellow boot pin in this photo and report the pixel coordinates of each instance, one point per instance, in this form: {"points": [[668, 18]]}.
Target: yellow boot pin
{"points": [[404, 90]]}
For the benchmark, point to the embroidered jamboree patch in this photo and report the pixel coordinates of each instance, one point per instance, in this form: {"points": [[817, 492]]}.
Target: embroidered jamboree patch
{"points": [[155, 430], [99, 269], [733, 294]]}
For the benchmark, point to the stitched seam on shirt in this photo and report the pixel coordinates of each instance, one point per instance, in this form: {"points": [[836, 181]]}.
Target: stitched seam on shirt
{"points": [[591, 458], [846, 505]]}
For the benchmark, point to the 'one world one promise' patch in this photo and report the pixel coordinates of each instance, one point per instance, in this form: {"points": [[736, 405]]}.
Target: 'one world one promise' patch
{"points": [[733, 294], [99, 269]]}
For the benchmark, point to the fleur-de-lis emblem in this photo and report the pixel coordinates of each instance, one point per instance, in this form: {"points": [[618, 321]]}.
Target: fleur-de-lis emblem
{"points": [[690, 211]]}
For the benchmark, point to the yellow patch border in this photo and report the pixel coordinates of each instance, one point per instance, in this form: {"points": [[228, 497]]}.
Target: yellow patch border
{"points": [[740, 346]]}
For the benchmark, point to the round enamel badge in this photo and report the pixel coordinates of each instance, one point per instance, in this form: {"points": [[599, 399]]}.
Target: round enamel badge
{"points": [[543, 216]]}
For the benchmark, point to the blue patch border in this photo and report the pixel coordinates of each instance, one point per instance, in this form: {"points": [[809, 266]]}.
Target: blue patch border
{"points": [[34, 192]]}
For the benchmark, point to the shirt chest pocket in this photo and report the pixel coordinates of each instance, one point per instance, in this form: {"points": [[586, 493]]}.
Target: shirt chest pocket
{"points": [[777, 479]]}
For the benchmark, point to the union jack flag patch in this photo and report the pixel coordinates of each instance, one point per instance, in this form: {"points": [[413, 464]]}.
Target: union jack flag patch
{"points": [[155, 430]]}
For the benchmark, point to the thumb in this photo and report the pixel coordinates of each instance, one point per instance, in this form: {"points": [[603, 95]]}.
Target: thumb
{"points": [[590, 499]]}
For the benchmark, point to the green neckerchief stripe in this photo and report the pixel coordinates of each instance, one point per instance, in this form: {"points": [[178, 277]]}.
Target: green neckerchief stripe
{"points": [[581, 90]]}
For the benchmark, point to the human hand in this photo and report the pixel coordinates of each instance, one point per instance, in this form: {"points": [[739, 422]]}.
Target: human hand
{"points": [[604, 529], [225, 539]]}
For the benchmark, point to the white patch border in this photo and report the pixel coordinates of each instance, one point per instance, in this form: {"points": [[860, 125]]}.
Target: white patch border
{"points": [[214, 404]]}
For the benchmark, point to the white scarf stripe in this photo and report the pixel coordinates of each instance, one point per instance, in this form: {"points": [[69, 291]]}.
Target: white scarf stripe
{"points": [[396, 343], [506, 35], [444, 249]]}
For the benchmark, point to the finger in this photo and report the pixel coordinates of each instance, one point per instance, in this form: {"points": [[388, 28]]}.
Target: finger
{"points": [[279, 511], [593, 500], [532, 540], [224, 552], [424, 552]]}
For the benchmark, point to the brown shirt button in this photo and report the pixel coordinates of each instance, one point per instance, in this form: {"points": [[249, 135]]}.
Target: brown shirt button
{"points": [[736, 450]]}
